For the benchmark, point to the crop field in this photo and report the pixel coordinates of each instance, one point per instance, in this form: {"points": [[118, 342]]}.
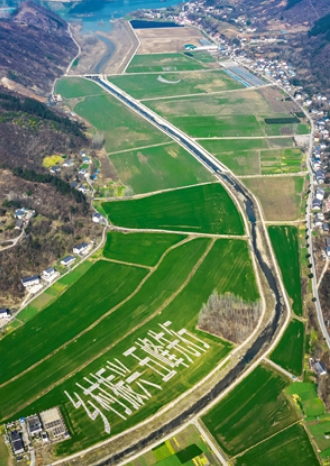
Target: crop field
{"points": [[170, 84], [287, 448], [72, 88], [305, 395], [159, 167], [100, 288], [161, 62], [187, 447], [253, 411], [287, 160], [285, 243], [122, 128], [139, 248], [289, 352], [320, 430], [4, 452], [201, 209], [121, 334], [280, 197]]}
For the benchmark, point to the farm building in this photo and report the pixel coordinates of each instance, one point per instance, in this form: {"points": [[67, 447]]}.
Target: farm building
{"points": [[17, 442], [34, 425], [48, 273], [97, 218], [68, 260], [4, 314], [53, 423], [82, 249], [30, 281]]}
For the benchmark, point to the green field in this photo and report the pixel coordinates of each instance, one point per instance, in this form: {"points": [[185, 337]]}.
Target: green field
{"points": [[159, 167], [139, 248], [201, 209], [100, 288], [230, 256], [288, 448], [254, 410], [277, 161], [4, 453], [163, 62], [150, 85], [72, 88], [308, 400], [290, 350], [122, 128], [285, 242]]}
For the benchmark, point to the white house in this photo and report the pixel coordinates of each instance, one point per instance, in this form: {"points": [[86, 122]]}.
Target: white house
{"points": [[30, 281], [68, 260], [97, 218], [4, 315], [82, 249], [316, 204], [319, 193], [50, 274], [68, 163]]}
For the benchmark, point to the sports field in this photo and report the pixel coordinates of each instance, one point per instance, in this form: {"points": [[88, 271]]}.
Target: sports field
{"points": [[289, 353], [163, 62], [200, 209], [114, 335], [253, 411], [280, 197], [71, 88], [159, 167], [139, 248], [122, 128], [147, 86], [287, 448], [285, 243]]}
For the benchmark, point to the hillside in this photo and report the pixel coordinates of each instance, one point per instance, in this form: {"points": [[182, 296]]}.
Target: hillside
{"points": [[35, 47]]}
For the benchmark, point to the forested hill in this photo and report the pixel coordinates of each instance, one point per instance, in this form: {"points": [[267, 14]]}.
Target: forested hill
{"points": [[35, 47]]}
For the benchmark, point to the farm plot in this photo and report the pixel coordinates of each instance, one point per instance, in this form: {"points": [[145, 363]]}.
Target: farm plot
{"points": [[285, 242], [161, 62], [287, 160], [253, 411], [122, 128], [227, 267], [289, 447], [139, 248], [280, 197], [170, 84], [201, 209], [101, 287], [320, 430], [166, 40], [305, 395], [289, 352], [72, 88], [159, 167]]}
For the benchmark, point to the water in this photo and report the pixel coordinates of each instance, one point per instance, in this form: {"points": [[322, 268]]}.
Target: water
{"points": [[96, 14]]}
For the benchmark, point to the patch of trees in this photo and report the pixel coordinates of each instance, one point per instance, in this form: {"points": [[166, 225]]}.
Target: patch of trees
{"points": [[60, 185], [321, 26], [229, 317], [292, 3]]}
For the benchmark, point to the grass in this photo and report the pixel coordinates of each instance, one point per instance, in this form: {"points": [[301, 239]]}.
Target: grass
{"points": [[287, 448], [163, 62], [201, 209], [290, 350], [72, 88], [139, 248], [4, 452], [285, 243], [288, 160], [305, 394], [157, 168], [100, 288], [149, 86], [253, 410], [122, 128], [280, 197], [230, 256], [73, 276]]}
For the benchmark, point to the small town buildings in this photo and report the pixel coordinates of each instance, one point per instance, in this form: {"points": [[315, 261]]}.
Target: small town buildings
{"points": [[68, 163], [20, 213], [319, 193], [55, 170], [53, 423], [34, 425], [316, 204], [30, 281], [320, 176], [4, 315], [68, 260], [325, 227], [82, 249], [319, 368], [317, 223], [49, 274], [17, 442]]}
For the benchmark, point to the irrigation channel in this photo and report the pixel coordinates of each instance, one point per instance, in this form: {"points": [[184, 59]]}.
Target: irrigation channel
{"points": [[265, 336]]}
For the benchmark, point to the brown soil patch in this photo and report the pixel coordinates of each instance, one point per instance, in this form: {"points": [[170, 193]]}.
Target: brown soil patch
{"points": [[169, 40], [275, 99]]}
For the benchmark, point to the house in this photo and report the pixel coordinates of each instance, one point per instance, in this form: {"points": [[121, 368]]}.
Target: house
{"points": [[34, 425], [4, 314], [68, 260], [74, 184], [55, 170], [319, 216], [30, 281], [20, 213], [316, 204], [317, 223], [320, 176], [325, 227], [98, 218], [319, 368], [86, 160], [319, 193], [17, 442], [68, 163], [49, 274], [82, 249], [327, 249], [19, 224]]}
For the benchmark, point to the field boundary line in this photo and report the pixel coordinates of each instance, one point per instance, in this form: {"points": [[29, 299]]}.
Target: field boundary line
{"points": [[134, 53], [177, 232], [299, 421], [96, 322], [208, 438], [129, 264], [139, 148], [281, 369], [141, 324], [247, 137], [274, 175]]}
